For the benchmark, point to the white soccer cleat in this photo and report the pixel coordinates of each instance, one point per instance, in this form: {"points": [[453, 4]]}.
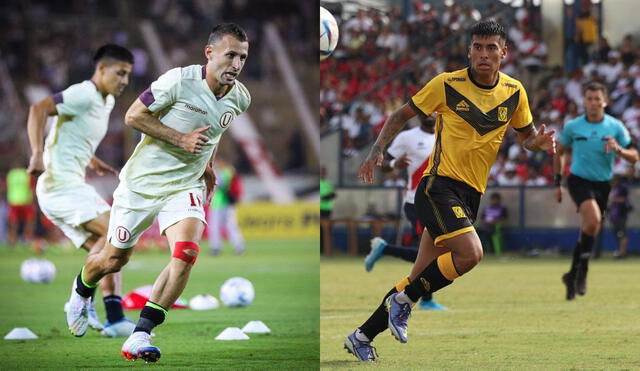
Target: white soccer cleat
{"points": [[78, 314], [94, 321], [119, 329], [138, 345]]}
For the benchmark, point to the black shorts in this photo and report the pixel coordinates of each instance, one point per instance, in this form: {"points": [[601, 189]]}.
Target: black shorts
{"points": [[620, 227], [582, 189], [446, 207]]}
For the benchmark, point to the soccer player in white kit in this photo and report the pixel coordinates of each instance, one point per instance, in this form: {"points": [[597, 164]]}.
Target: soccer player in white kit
{"points": [[409, 150], [74, 206], [169, 175]]}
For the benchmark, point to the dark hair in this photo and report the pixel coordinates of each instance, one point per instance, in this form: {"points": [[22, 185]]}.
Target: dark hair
{"points": [[488, 28], [595, 86], [219, 30], [496, 196], [112, 51]]}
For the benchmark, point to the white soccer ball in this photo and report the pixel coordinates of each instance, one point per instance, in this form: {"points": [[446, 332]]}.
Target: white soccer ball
{"points": [[237, 292], [37, 270], [328, 33]]}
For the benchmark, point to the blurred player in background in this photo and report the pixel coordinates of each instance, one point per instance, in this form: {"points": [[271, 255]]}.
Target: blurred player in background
{"points": [[619, 208], [595, 139], [474, 107], [169, 175], [65, 198], [409, 150], [223, 214], [20, 200]]}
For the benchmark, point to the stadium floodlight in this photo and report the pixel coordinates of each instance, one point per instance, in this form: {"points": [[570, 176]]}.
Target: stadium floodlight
{"points": [[595, 1], [569, 2], [537, 2], [517, 3], [505, 1]]}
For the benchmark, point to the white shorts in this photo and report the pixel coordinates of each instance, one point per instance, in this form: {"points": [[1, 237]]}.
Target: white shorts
{"points": [[70, 207], [133, 213]]}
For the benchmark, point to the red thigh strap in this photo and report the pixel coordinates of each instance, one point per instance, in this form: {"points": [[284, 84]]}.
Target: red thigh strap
{"points": [[186, 251]]}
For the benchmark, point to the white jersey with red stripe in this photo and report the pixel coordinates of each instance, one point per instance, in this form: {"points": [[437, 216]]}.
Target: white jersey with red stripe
{"points": [[417, 144], [183, 101]]}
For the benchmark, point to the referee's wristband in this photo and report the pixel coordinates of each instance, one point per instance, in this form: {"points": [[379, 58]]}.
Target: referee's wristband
{"points": [[392, 163], [557, 179]]}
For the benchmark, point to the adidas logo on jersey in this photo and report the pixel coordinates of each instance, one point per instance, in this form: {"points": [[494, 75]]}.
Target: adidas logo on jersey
{"points": [[462, 106]]}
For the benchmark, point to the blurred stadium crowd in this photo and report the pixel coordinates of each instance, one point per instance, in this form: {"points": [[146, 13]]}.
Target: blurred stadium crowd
{"points": [[47, 45], [384, 58]]}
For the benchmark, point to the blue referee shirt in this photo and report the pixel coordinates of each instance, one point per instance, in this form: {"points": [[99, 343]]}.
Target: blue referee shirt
{"points": [[587, 139]]}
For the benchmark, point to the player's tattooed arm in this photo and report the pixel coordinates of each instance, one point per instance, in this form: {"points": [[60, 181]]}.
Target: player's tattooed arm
{"points": [[141, 118], [535, 140], [38, 113], [390, 129]]}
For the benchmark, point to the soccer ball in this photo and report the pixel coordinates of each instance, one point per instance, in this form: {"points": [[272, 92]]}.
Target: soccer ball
{"points": [[37, 270], [237, 292], [328, 33]]}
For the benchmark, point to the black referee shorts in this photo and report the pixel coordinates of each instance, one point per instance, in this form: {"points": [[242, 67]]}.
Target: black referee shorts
{"points": [[582, 189], [446, 207]]}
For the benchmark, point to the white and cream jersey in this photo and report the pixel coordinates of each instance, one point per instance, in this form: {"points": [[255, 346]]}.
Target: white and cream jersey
{"points": [[82, 122], [417, 144], [181, 100]]}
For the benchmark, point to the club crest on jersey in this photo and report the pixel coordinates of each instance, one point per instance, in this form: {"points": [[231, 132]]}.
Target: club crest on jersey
{"points": [[462, 106], [122, 234], [459, 212], [226, 119], [502, 114]]}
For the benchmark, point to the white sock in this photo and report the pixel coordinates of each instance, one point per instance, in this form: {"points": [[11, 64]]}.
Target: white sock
{"points": [[403, 298], [361, 336]]}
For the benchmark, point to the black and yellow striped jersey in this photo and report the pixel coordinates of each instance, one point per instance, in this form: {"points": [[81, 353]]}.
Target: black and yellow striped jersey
{"points": [[471, 122]]}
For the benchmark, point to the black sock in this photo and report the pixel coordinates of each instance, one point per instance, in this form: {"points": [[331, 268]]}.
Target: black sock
{"points": [[429, 281], [113, 306], [427, 297], [586, 246], [84, 290], [378, 321], [151, 316], [405, 253], [575, 260]]}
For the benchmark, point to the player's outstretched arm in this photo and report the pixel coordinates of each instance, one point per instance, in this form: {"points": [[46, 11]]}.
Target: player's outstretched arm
{"points": [[535, 140], [38, 113], [390, 129], [141, 118]]}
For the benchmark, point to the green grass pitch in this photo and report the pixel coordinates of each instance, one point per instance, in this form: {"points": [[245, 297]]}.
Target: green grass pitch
{"points": [[506, 314], [284, 274]]}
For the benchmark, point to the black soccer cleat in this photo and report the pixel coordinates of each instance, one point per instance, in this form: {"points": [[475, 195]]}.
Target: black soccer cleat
{"points": [[570, 283]]}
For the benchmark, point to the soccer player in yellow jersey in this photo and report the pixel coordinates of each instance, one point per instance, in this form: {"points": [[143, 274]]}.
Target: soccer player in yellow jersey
{"points": [[474, 107]]}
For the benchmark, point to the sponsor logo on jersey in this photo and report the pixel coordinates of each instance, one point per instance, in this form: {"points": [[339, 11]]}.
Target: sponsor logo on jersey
{"points": [[195, 109], [226, 119], [514, 86], [456, 79], [122, 234], [502, 114], [462, 106], [459, 212]]}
